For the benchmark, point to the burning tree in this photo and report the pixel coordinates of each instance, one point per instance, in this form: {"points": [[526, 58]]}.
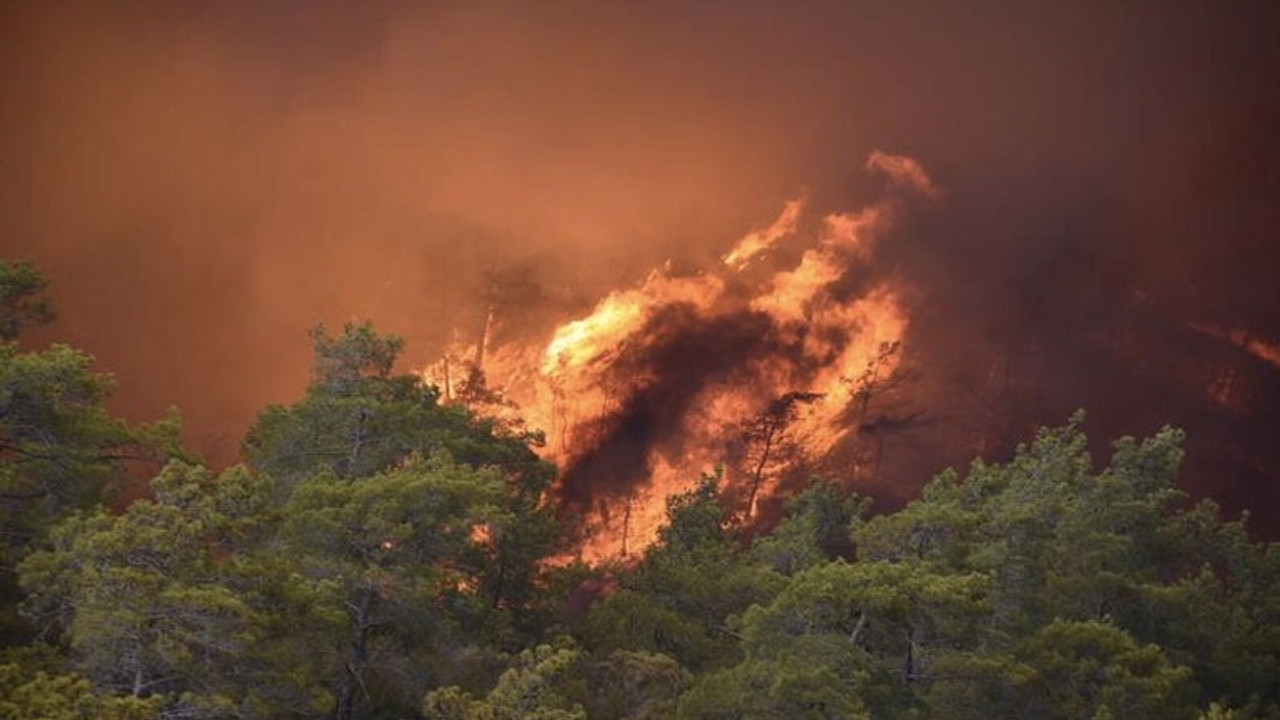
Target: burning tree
{"points": [[880, 376], [770, 446]]}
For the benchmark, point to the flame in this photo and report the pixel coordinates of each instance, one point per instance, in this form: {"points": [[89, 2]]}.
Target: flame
{"points": [[905, 172], [699, 356], [761, 240], [588, 341], [1242, 339], [793, 290]]}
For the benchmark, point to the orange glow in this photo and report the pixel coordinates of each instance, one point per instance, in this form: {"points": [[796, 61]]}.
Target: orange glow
{"points": [[904, 171], [1223, 386], [589, 340], [793, 290], [1240, 338], [761, 240], [804, 336]]}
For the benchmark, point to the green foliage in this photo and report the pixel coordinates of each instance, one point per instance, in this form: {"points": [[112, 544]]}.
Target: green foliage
{"points": [[679, 600], [530, 690], [60, 450], [377, 566], [358, 354], [635, 685], [788, 686], [695, 518], [1090, 669], [412, 531], [816, 531], [358, 420], [1059, 539], [1038, 588], [40, 696], [58, 444], [212, 597], [1068, 670], [158, 600], [22, 299], [561, 682]]}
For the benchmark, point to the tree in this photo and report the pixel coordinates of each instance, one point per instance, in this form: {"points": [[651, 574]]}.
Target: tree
{"points": [[789, 686], [60, 449], [58, 444], [634, 685], [1061, 539], [1043, 587], [359, 419], [769, 446], [214, 599], [816, 530], [875, 629], [877, 378], [366, 447], [530, 690], [38, 695], [380, 561], [160, 600], [1065, 542], [679, 598], [1092, 670], [22, 299]]}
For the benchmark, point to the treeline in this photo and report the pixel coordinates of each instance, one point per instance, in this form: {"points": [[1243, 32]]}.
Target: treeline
{"points": [[382, 555]]}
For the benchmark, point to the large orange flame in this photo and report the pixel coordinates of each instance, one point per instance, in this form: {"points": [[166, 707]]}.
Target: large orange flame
{"points": [[823, 347]]}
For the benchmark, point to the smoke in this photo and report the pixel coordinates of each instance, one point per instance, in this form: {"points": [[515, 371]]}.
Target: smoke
{"points": [[683, 353], [206, 180]]}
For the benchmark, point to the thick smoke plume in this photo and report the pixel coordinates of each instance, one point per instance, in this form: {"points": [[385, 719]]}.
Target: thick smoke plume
{"points": [[206, 180]]}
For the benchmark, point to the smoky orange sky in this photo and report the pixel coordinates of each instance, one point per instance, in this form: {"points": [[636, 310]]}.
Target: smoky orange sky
{"points": [[204, 181]]}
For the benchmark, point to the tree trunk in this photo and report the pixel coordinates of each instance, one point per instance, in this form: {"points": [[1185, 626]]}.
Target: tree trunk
{"points": [[626, 525], [757, 478], [351, 674], [357, 443], [857, 629]]}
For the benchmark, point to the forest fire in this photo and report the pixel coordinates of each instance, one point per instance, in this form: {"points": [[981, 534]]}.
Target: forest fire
{"points": [[759, 369], [333, 279]]}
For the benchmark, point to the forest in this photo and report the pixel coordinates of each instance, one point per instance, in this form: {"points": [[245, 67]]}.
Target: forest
{"points": [[381, 553]]}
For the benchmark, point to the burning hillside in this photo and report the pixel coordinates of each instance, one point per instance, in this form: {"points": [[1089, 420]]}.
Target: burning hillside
{"points": [[764, 366], [205, 181]]}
